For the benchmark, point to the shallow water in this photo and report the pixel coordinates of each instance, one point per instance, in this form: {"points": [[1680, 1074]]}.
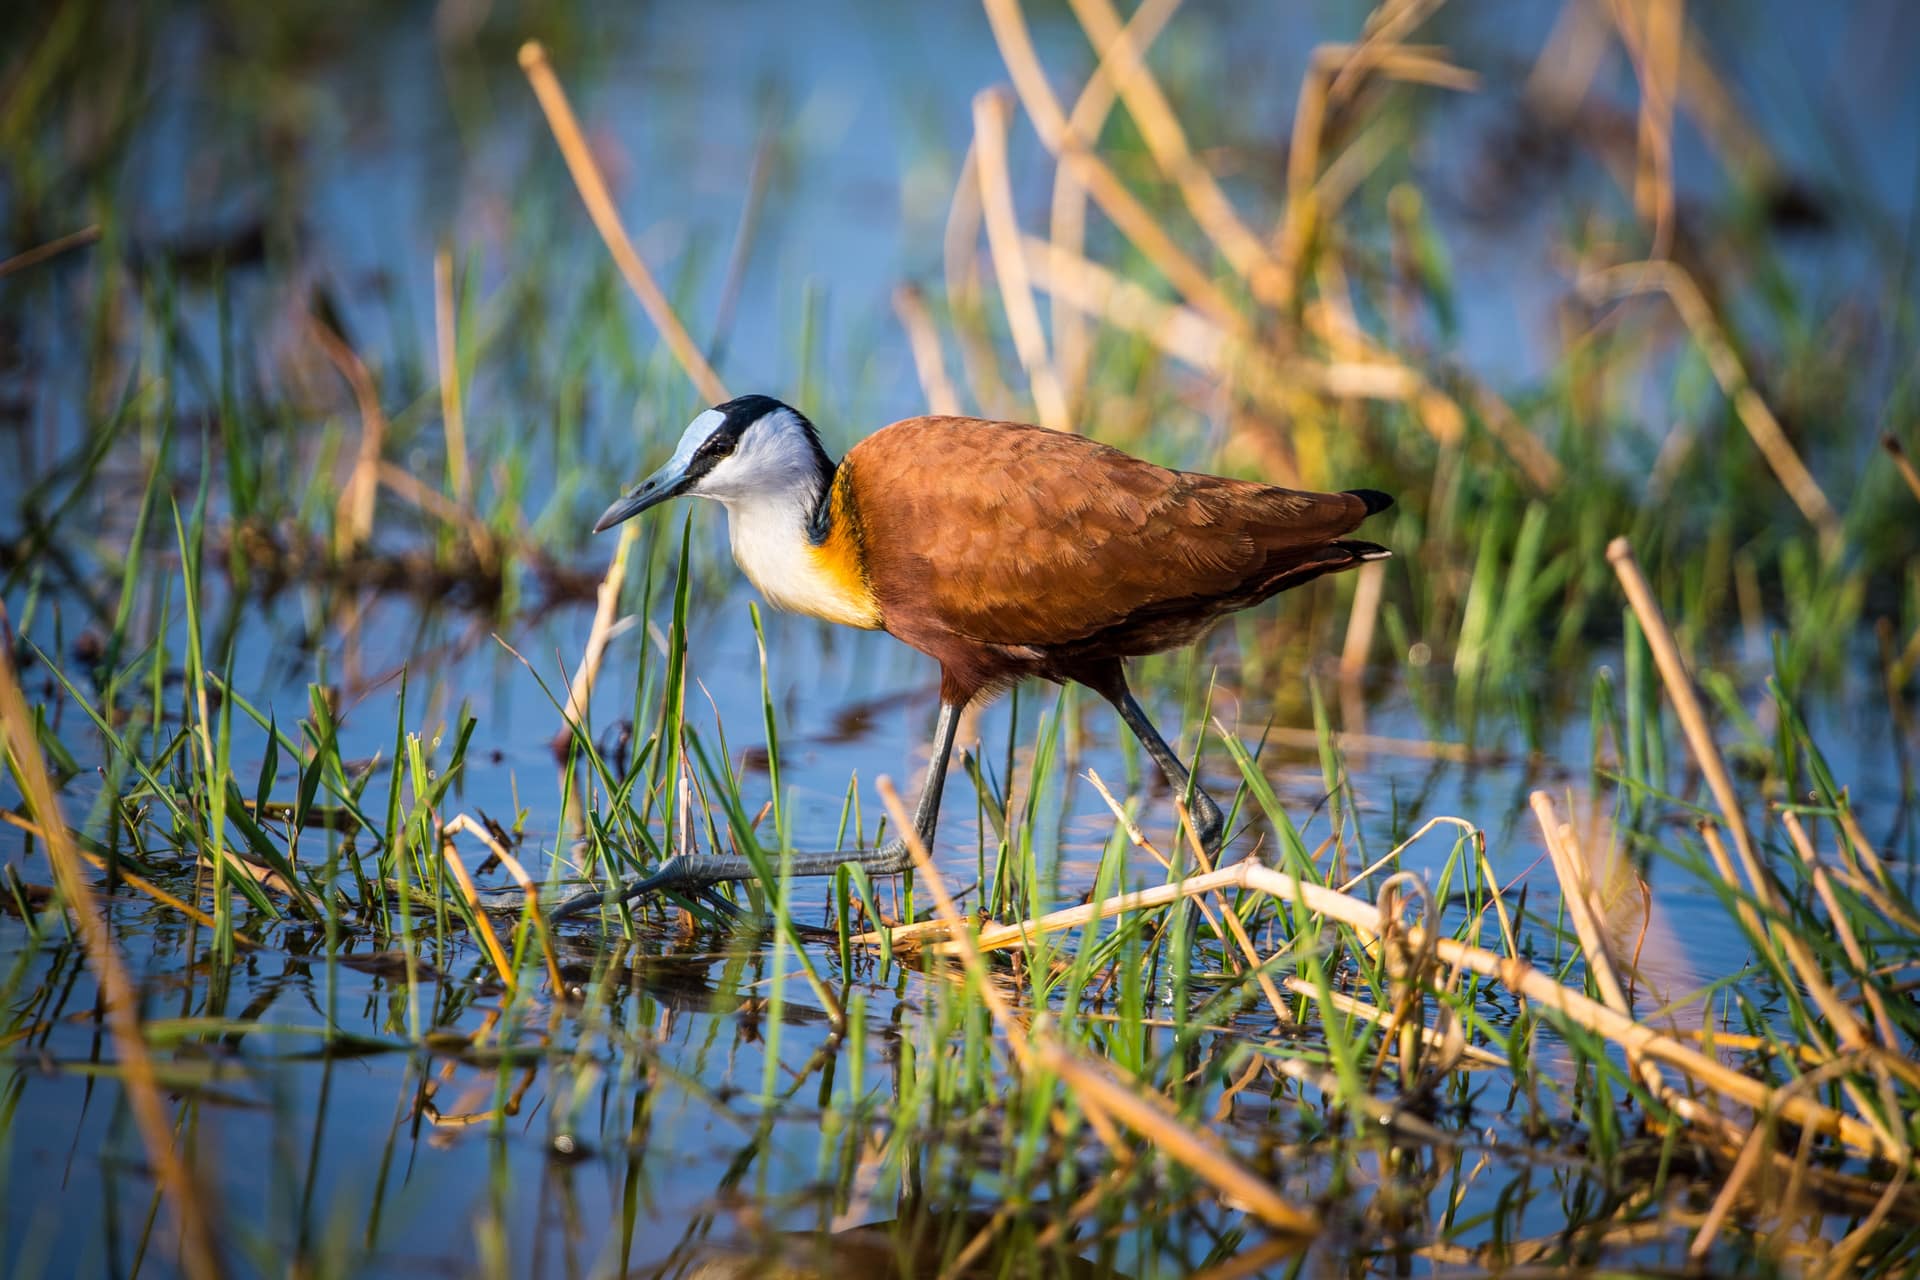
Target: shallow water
{"points": [[630, 1128], [355, 1123]]}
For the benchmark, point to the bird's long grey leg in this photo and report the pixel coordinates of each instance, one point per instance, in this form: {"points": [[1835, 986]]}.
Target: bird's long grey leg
{"points": [[926, 813], [1208, 823], [684, 872]]}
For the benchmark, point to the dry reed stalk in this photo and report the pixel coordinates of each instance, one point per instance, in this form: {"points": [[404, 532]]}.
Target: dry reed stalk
{"points": [[51, 249], [1190, 337], [956, 926], [488, 940], [1576, 892], [1067, 214], [979, 359], [1840, 1260], [353, 514], [1568, 61], [131, 880], [606, 606], [1398, 1118], [1072, 341], [1693, 722], [1715, 110], [741, 255], [1167, 142], [1359, 160], [452, 412], [161, 896], [1758, 1141], [606, 219], [1515, 974], [1264, 1259], [409, 488], [1843, 930], [1091, 289], [1672, 280], [1800, 961], [1580, 43], [1509, 1255], [1408, 969], [991, 115], [1800, 1053], [1357, 1008], [1865, 852], [1384, 32], [1635, 1037], [1686, 702], [1232, 918], [1411, 748], [119, 1002], [995, 937], [1534, 459], [961, 1263], [1710, 836], [1901, 462], [1223, 1109], [1393, 854], [1498, 892], [1094, 1197], [1132, 218], [1415, 64], [1139, 840], [1478, 839], [1652, 31], [961, 234], [461, 822], [1331, 318], [1150, 1116], [924, 340], [1067, 218], [1368, 586]]}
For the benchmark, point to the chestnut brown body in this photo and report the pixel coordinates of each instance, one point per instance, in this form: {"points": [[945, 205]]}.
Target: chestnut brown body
{"points": [[1006, 551]]}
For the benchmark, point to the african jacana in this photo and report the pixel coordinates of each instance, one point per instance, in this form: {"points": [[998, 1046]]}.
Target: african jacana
{"points": [[1000, 551]]}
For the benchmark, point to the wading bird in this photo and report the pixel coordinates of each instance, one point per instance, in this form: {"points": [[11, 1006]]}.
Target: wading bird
{"points": [[1001, 551]]}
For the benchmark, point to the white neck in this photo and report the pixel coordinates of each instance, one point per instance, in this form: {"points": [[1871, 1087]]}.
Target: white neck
{"points": [[769, 535], [768, 532]]}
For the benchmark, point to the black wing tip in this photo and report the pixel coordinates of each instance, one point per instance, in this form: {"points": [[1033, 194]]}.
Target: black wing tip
{"points": [[1376, 501]]}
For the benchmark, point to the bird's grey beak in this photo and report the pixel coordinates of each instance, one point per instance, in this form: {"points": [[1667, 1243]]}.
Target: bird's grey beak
{"points": [[669, 481]]}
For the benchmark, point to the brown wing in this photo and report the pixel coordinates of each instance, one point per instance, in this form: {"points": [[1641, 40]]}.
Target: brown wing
{"points": [[1014, 535]]}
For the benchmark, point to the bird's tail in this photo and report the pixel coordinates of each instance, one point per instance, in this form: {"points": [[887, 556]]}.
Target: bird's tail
{"points": [[1361, 551], [1329, 557]]}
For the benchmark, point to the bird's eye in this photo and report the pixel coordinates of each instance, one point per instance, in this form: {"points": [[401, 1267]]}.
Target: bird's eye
{"points": [[720, 449]]}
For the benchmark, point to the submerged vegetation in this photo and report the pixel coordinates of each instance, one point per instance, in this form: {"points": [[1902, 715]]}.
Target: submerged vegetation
{"points": [[1570, 918]]}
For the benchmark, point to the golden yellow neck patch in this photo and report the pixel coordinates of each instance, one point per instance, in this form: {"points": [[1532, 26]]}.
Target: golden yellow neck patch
{"points": [[848, 598], [825, 580], [841, 559]]}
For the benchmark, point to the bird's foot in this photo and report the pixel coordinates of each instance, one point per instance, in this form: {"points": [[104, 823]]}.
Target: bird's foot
{"points": [[692, 873]]}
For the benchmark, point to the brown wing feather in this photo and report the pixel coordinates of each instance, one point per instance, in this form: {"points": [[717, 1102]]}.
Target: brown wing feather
{"points": [[1012, 535]]}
